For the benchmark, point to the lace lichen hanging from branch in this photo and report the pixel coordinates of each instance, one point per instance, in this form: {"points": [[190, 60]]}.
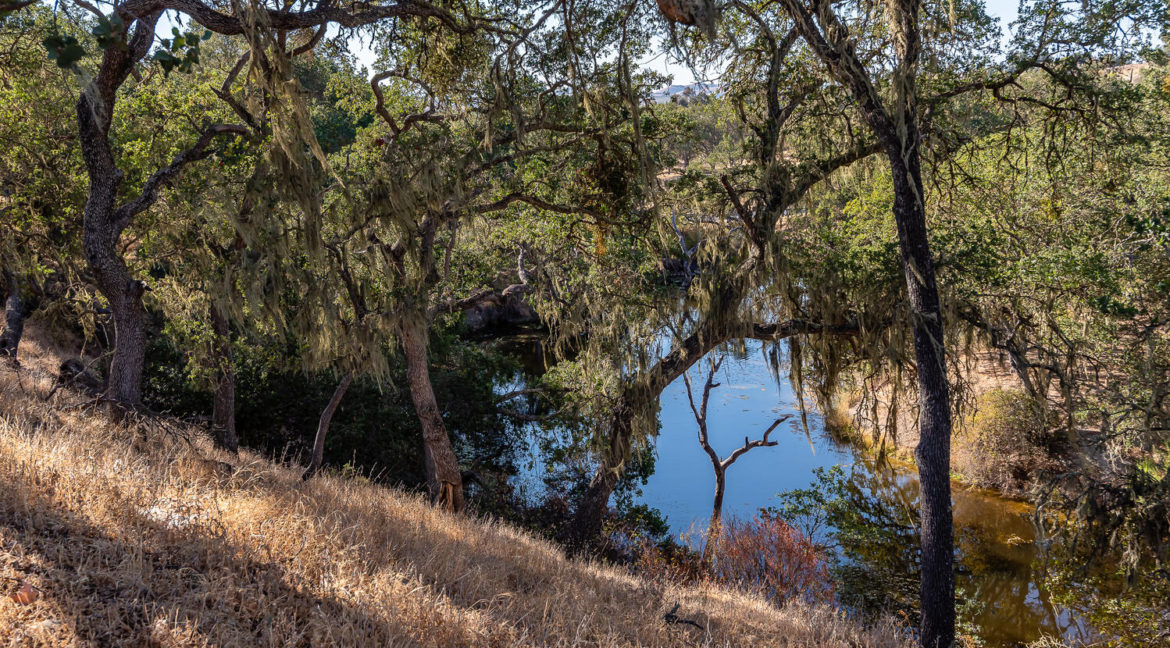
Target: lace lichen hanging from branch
{"points": [[297, 161]]}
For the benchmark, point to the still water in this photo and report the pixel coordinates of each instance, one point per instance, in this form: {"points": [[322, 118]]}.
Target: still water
{"points": [[1003, 603]]}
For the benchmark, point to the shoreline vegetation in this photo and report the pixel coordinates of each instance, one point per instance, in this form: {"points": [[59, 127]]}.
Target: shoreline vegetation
{"points": [[240, 236], [990, 450]]}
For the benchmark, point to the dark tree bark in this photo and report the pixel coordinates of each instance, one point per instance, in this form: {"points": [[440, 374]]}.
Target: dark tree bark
{"points": [[104, 221], [223, 416], [444, 480], [13, 317], [323, 427], [715, 526], [102, 225], [933, 453], [898, 131]]}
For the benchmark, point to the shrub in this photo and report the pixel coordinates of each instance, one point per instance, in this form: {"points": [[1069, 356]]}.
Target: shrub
{"points": [[768, 556], [762, 555], [1006, 444]]}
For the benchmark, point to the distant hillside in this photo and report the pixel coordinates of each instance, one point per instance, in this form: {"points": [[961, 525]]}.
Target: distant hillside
{"points": [[143, 535], [669, 93]]}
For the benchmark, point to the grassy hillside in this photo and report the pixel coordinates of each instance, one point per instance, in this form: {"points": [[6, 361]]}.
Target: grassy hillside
{"points": [[143, 535]]}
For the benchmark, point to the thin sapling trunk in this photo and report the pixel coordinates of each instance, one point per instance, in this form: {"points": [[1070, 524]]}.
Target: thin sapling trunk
{"points": [[323, 427]]}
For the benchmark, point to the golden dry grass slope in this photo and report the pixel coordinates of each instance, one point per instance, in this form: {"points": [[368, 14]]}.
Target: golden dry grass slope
{"points": [[134, 536]]}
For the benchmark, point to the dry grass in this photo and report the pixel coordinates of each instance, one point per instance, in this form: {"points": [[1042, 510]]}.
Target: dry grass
{"points": [[134, 535]]}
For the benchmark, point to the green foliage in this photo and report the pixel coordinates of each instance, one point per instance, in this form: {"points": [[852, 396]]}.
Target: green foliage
{"points": [[871, 540], [1128, 608], [181, 51], [109, 32], [494, 157], [63, 50]]}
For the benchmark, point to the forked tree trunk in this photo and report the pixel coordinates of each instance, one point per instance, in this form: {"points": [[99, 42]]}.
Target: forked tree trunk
{"points": [[444, 480], [100, 236], [223, 416], [323, 427], [13, 317]]}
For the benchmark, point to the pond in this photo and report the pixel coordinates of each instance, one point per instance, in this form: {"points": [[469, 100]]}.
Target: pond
{"points": [[1001, 599]]}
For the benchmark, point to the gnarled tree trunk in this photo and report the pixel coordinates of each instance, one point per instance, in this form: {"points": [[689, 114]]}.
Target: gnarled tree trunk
{"points": [[13, 317], [223, 416], [104, 221], [103, 225], [323, 427], [444, 481]]}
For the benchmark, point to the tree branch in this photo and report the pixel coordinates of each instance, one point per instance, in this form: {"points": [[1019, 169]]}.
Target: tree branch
{"points": [[758, 443], [701, 411], [789, 328], [149, 195], [324, 13]]}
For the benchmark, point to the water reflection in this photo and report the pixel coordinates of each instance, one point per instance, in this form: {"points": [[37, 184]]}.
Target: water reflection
{"points": [[1001, 601]]}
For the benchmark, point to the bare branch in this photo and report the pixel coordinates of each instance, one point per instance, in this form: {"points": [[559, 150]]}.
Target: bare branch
{"points": [[758, 443], [701, 411]]}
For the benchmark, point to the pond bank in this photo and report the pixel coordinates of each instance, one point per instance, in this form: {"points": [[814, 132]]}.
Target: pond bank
{"points": [[996, 444]]}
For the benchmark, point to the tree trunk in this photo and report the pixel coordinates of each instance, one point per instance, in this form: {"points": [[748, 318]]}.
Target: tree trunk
{"points": [[933, 453], [444, 480], [323, 427], [100, 237], [899, 134], [223, 416], [585, 527], [13, 317], [714, 529]]}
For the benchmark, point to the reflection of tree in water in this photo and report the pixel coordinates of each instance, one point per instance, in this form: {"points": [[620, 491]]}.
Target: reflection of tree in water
{"points": [[866, 521], [867, 518]]}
